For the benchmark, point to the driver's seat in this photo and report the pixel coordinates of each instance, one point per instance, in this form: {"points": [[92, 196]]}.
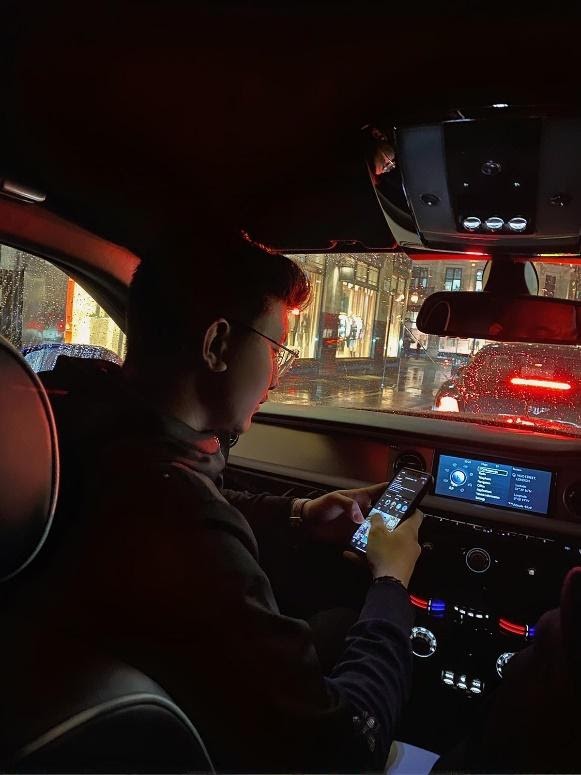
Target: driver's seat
{"points": [[64, 705]]}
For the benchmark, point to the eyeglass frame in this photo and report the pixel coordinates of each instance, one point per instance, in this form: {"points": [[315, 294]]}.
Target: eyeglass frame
{"points": [[281, 348]]}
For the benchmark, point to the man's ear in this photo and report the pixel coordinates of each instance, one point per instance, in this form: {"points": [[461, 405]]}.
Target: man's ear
{"points": [[215, 345]]}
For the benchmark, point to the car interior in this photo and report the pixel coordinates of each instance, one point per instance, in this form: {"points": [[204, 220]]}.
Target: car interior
{"points": [[426, 173]]}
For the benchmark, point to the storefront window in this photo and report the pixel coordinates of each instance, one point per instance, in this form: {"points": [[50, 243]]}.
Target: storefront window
{"points": [[398, 322], [356, 321], [89, 323], [395, 332], [350, 309], [303, 325]]}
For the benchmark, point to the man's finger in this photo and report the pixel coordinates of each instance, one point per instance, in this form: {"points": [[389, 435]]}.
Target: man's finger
{"points": [[414, 522], [356, 513], [366, 496], [377, 521], [350, 507]]}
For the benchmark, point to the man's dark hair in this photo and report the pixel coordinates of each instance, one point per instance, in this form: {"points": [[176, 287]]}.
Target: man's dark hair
{"points": [[173, 300]]}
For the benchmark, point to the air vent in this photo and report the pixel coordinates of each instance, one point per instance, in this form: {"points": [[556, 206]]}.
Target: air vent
{"points": [[572, 497], [409, 460]]}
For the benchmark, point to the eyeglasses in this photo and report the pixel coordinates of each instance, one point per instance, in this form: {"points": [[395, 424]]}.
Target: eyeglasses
{"points": [[385, 163], [285, 356], [388, 165]]}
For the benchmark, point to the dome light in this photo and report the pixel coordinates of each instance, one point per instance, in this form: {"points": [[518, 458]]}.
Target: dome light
{"points": [[471, 223], [518, 224], [494, 223]]}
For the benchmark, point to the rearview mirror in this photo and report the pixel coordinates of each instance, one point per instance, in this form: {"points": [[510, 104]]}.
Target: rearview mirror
{"points": [[501, 318]]}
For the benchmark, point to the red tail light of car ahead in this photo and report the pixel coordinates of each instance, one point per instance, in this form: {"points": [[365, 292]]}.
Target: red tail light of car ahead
{"points": [[548, 384]]}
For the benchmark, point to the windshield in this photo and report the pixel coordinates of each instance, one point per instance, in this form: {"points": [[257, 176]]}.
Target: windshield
{"points": [[360, 348]]}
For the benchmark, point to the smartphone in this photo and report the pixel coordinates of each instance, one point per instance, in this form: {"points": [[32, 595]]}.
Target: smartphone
{"points": [[397, 502]]}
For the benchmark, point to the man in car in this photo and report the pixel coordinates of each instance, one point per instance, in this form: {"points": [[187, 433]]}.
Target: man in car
{"points": [[161, 565]]}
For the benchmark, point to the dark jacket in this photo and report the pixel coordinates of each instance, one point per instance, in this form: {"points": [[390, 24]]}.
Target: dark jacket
{"points": [[152, 559]]}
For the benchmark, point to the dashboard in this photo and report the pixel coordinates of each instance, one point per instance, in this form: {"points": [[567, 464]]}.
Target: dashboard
{"points": [[502, 529]]}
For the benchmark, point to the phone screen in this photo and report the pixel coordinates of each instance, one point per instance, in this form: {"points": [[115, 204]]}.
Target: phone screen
{"points": [[398, 501]]}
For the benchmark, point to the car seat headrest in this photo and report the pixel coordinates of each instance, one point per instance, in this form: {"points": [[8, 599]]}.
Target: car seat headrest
{"points": [[29, 463]]}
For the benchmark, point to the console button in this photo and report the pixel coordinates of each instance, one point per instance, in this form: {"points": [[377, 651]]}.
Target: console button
{"points": [[478, 560], [424, 642], [502, 661]]}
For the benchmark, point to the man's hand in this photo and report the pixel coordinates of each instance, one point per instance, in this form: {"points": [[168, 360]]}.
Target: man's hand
{"points": [[334, 517], [394, 553]]}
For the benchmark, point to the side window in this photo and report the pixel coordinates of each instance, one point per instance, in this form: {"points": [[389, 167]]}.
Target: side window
{"points": [[42, 310]]}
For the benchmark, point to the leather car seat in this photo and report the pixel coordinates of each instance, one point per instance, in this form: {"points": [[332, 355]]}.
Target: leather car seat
{"points": [[64, 707]]}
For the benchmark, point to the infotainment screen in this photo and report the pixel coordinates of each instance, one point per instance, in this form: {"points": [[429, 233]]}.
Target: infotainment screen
{"points": [[494, 484]]}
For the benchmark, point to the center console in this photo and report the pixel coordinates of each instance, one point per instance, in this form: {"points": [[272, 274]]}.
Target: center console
{"points": [[478, 592], [479, 587]]}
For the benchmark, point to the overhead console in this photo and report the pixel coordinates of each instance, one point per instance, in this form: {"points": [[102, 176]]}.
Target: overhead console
{"points": [[495, 179]]}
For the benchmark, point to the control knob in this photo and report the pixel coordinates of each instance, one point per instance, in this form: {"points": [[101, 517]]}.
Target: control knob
{"points": [[478, 560], [502, 661], [424, 642]]}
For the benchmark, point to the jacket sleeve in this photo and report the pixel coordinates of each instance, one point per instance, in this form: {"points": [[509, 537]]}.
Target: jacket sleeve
{"points": [[192, 607], [267, 515], [260, 510]]}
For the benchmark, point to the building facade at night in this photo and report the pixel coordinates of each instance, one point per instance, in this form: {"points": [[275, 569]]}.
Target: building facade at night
{"points": [[364, 306]]}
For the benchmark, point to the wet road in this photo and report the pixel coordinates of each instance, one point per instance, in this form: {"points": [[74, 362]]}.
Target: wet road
{"points": [[412, 386]]}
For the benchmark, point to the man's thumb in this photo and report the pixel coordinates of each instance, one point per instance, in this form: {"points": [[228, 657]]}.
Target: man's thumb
{"points": [[352, 557]]}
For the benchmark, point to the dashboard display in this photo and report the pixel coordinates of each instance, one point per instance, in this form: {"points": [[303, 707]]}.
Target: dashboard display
{"points": [[494, 484]]}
